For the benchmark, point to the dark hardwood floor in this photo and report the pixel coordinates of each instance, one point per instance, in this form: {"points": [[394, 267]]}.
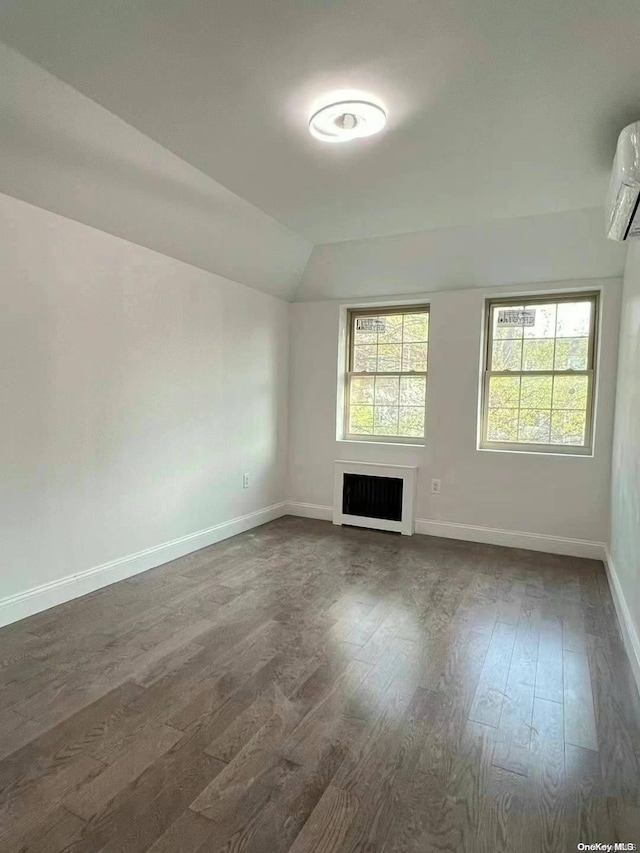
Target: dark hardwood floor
{"points": [[307, 688]]}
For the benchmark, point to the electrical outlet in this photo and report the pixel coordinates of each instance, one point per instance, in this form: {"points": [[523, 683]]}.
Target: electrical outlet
{"points": [[245, 481], [435, 487]]}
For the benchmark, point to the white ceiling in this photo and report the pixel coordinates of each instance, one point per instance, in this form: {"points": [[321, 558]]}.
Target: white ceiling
{"points": [[497, 108], [63, 152]]}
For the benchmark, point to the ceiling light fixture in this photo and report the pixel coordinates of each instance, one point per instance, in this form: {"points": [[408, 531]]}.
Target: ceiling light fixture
{"points": [[346, 120]]}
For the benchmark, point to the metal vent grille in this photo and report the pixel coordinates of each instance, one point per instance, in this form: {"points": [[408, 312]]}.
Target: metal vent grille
{"points": [[372, 497]]}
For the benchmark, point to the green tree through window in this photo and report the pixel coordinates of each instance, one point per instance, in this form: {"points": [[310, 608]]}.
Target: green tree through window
{"points": [[539, 373], [386, 380]]}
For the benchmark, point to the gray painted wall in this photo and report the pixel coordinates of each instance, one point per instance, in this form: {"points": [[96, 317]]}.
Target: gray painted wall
{"points": [[625, 475]]}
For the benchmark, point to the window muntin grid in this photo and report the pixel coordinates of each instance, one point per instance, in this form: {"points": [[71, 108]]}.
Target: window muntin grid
{"points": [[539, 380], [387, 373]]}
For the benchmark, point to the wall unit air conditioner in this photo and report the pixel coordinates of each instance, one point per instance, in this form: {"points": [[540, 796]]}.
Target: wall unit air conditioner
{"points": [[622, 208]]}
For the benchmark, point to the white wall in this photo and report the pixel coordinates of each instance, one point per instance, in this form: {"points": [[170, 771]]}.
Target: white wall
{"points": [[559, 496], [550, 247], [135, 392], [625, 475]]}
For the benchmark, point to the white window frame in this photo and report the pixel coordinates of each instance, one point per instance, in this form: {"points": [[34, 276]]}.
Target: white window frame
{"points": [[493, 304], [380, 311]]}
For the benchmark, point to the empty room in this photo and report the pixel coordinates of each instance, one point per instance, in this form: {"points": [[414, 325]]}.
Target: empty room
{"points": [[319, 426]]}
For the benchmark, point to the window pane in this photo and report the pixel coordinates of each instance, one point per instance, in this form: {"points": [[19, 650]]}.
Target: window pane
{"points": [[414, 356], [504, 392], [361, 420], [503, 333], [416, 328], [411, 421], [362, 389], [365, 358], [385, 346], [507, 355], [389, 356], [568, 428], [502, 425], [536, 392], [545, 324], [367, 333], [387, 390], [534, 426], [571, 353], [570, 392], [390, 329], [538, 354], [574, 319], [385, 420], [542, 394], [413, 390]]}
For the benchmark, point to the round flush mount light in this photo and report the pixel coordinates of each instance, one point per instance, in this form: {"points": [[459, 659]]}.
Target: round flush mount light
{"points": [[346, 120]]}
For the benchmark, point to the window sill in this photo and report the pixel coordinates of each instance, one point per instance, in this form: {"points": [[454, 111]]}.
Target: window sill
{"points": [[378, 443], [546, 453]]}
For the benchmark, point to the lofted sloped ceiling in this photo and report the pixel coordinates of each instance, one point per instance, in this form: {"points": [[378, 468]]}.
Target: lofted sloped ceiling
{"points": [[62, 151], [498, 110]]}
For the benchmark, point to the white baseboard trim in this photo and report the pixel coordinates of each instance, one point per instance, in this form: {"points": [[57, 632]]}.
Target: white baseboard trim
{"points": [[628, 629], [39, 598], [512, 538], [471, 533], [324, 513]]}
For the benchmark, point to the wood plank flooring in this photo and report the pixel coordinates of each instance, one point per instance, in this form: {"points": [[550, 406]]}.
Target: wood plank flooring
{"points": [[315, 689]]}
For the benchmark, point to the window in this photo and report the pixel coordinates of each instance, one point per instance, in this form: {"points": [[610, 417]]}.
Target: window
{"points": [[539, 374], [386, 382]]}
